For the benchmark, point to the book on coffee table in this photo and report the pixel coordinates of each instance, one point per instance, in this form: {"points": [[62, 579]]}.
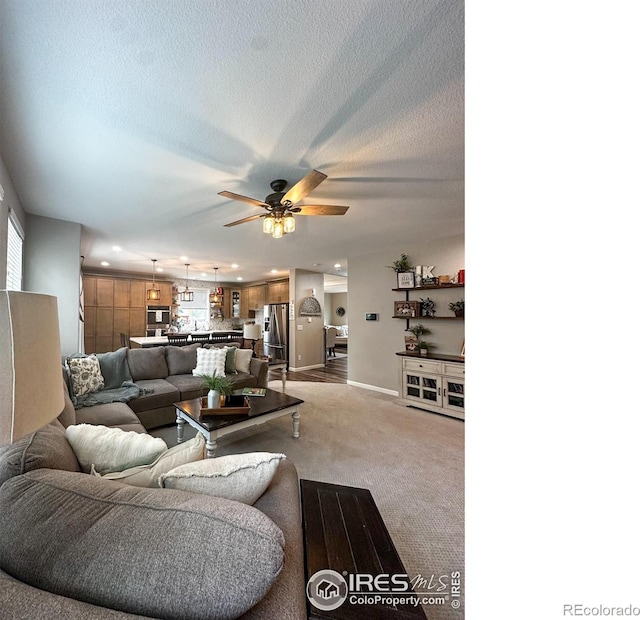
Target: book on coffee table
{"points": [[248, 391]]}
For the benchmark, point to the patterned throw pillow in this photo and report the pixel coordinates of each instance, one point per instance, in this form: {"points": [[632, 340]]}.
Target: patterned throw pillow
{"points": [[210, 361], [86, 377]]}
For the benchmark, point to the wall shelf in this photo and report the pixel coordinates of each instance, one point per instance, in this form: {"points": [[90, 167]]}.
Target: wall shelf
{"points": [[429, 287]]}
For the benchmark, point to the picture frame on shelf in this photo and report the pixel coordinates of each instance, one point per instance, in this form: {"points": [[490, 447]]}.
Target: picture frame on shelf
{"points": [[405, 309], [406, 279], [411, 342], [462, 350]]}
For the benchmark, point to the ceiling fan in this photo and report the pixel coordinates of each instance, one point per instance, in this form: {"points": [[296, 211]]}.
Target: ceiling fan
{"points": [[280, 206]]}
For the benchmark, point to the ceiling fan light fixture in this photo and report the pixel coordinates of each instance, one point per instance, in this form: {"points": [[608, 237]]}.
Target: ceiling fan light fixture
{"points": [[278, 229], [289, 224], [153, 293], [267, 224]]}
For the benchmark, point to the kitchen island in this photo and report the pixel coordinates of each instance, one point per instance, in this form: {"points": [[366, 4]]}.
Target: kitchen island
{"points": [[217, 336]]}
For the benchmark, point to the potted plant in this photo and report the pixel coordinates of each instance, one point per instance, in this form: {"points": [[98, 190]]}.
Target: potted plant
{"points": [[457, 307], [419, 330], [402, 264], [423, 347], [218, 387]]}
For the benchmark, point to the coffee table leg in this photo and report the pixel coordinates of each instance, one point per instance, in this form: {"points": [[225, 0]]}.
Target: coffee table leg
{"points": [[296, 423], [210, 444], [284, 379], [180, 428]]}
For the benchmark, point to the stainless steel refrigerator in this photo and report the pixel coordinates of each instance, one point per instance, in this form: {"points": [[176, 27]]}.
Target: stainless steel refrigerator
{"points": [[276, 332]]}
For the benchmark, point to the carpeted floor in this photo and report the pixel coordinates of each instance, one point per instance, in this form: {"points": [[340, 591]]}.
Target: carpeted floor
{"points": [[411, 460]]}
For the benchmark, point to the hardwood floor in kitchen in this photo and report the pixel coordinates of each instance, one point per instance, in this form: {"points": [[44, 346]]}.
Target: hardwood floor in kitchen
{"points": [[334, 372]]}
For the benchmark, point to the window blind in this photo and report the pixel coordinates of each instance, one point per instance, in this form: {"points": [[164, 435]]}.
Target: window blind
{"points": [[15, 240]]}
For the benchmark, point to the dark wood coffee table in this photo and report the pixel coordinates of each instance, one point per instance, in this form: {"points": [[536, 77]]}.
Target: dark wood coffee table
{"points": [[263, 408]]}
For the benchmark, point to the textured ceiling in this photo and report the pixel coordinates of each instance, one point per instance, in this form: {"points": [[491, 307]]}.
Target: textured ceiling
{"points": [[130, 116]]}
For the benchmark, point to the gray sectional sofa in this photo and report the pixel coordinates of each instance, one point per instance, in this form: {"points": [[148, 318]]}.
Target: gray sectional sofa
{"points": [[80, 547], [166, 373]]}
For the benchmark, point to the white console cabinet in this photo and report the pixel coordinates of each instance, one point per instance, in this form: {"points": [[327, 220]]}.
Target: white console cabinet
{"points": [[433, 384]]}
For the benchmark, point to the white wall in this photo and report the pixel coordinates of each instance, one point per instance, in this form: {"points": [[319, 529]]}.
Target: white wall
{"points": [[331, 302], [52, 266], [373, 344], [307, 343]]}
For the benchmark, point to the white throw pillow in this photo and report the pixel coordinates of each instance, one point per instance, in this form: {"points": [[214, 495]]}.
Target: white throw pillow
{"points": [[210, 361], [240, 477], [243, 359], [147, 475], [112, 449], [86, 376]]}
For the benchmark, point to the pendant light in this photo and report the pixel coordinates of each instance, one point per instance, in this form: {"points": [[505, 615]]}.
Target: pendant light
{"points": [[186, 295], [214, 298], [153, 293]]}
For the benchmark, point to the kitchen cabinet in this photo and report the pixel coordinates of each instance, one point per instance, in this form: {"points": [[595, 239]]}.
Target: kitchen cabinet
{"points": [[231, 306], [114, 306], [256, 297], [278, 292]]}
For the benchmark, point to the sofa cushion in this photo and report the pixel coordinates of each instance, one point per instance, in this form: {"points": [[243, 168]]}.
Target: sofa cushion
{"points": [[189, 385], [111, 449], [230, 361], [242, 380], [114, 368], [243, 359], [86, 377], [162, 394], [240, 477], [147, 475], [147, 363], [221, 559], [181, 360], [46, 448], [210, 362], [110, 414]]}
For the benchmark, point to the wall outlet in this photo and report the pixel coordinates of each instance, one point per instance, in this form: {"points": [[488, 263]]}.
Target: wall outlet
{"points": [[299, 358], [299, 327]]}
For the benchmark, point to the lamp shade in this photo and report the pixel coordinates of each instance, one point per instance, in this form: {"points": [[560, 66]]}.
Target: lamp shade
{"points": [[252, 331], [31, 392]]}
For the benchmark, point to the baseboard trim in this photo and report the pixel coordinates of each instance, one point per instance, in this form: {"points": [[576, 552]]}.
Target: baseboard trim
{"points": [[373, 388], [303, 368]]}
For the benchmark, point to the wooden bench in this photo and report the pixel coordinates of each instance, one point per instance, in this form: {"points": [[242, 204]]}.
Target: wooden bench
{"points": [[344, 532]]}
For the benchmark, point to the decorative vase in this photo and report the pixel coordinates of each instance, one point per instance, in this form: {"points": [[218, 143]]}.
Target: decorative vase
{"points": [[459, 313], [423, 352], [213, 399]]}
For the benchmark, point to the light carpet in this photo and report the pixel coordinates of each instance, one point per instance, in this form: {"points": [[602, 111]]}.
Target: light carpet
{"points": [[411, 460]]}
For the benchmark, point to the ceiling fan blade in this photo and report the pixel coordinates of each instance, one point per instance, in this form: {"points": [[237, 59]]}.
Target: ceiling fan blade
{"points": [[251, 201], [245, 219], [303, 187], [320, 210]]}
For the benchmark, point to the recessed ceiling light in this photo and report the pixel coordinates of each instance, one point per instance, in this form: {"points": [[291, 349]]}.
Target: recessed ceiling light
{"points": [[234, 266], [239, 278], [184, 258], [104, 263], [337, 265], [116, 248], [274, 271], [159, 269]]}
